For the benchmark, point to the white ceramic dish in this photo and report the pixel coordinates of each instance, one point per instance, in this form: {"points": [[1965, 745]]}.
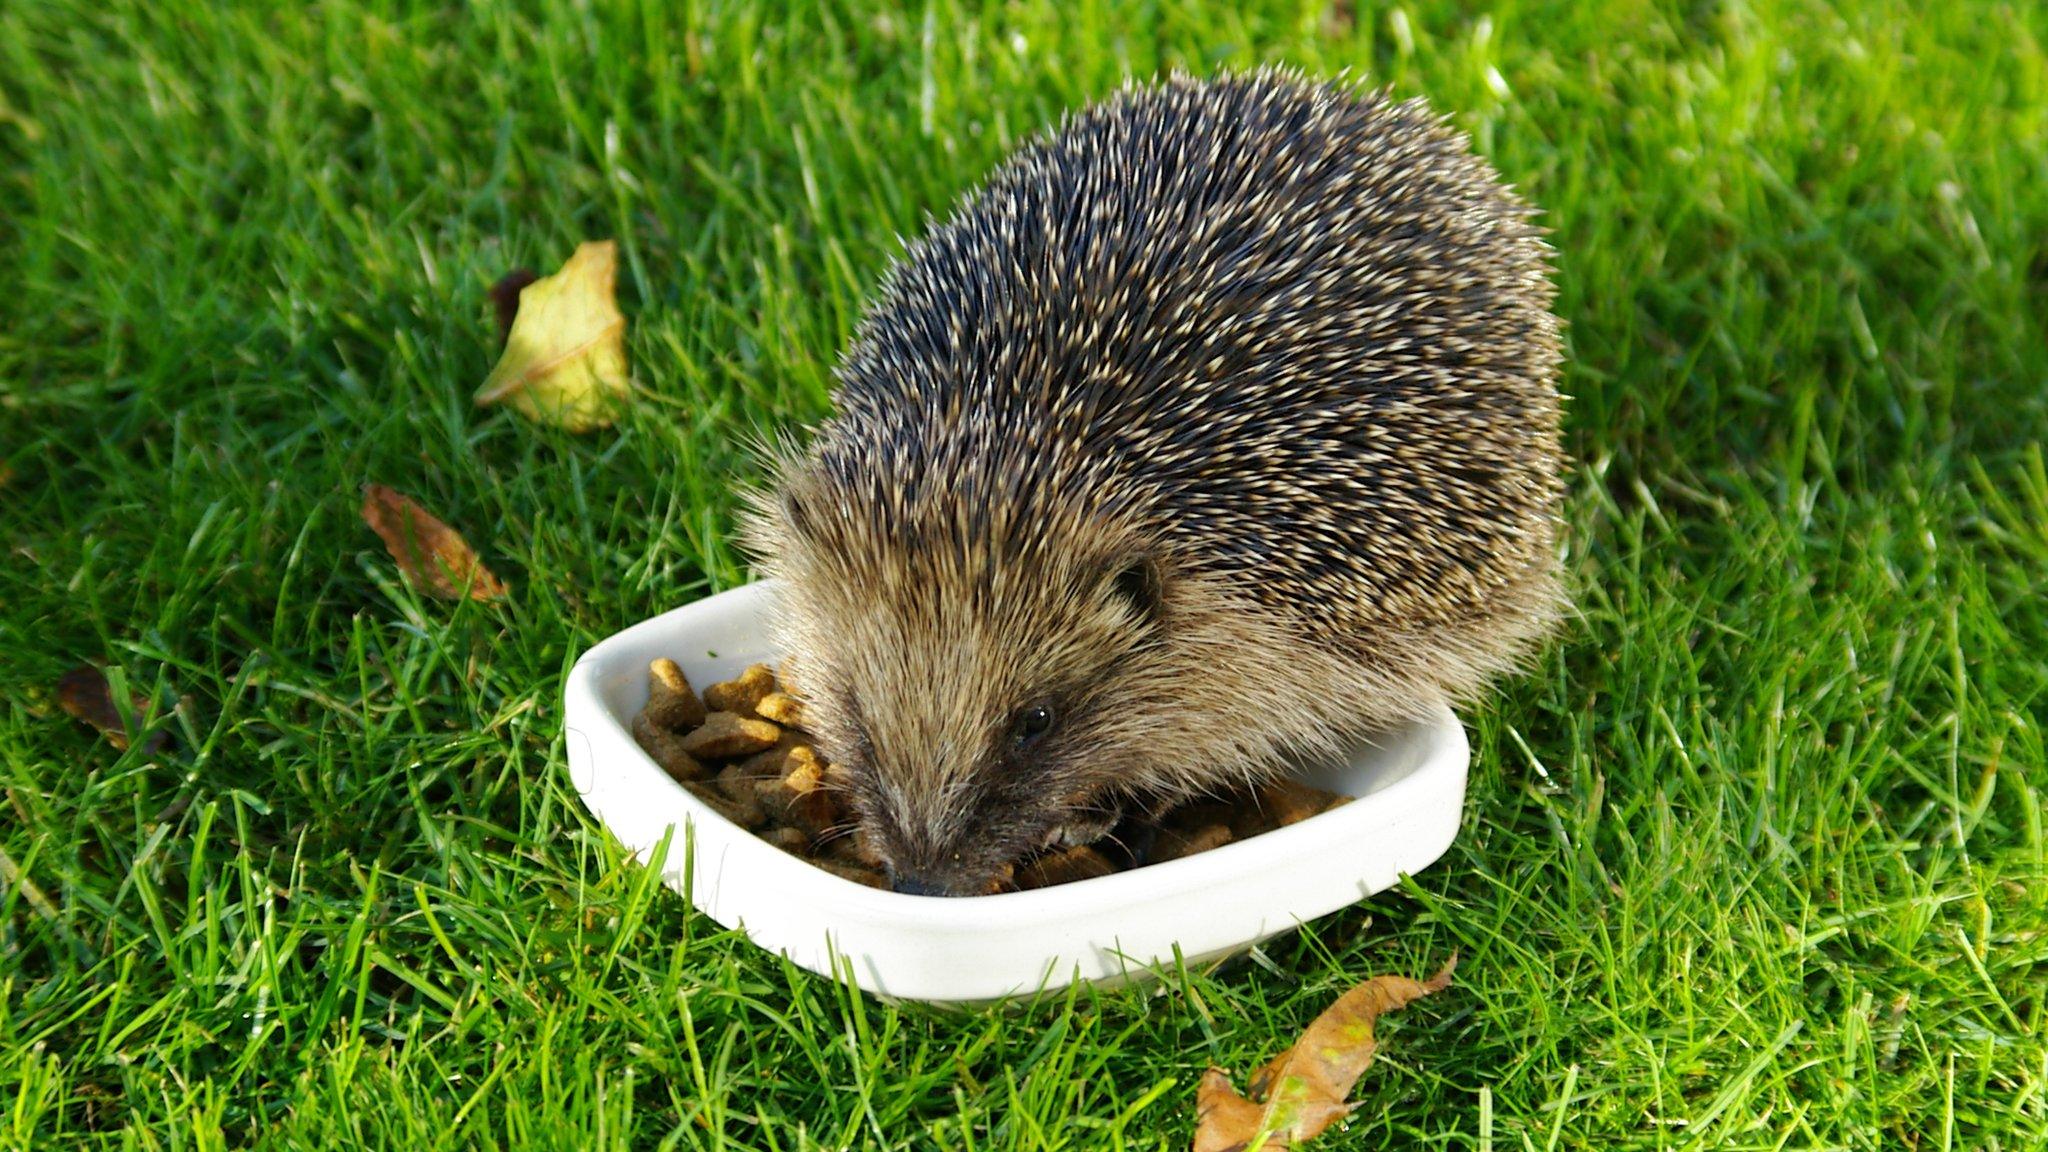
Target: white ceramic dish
{"points": [[1411, 785]]}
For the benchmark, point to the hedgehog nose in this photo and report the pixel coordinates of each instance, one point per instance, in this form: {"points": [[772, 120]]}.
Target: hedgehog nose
{"points": [[913, 885]]}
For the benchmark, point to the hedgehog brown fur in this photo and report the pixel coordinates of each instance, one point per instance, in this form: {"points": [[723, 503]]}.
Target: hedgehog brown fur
{"points": [[1217, 429]]}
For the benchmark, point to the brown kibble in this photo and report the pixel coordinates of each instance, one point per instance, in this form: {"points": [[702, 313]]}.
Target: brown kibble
{"points": [[1276, 804], [741, 776], [872, 877], [724, 736], [1201, 814], [668, 750], [1174, 843], [774, 795], [800, 799], [735, 783], [671, 702], [853, 848], [1004, 880], [815, 813], [746, 813], [1291, 801], [787, 678], [782, 708], [740, 696], [1063, 867], [770, 762], [790, 840], [802, 770]]}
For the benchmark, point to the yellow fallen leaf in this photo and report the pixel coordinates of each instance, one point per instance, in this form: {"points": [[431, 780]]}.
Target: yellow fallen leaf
{"points": [[565, 358], [1301, 1091], [429, 552]]}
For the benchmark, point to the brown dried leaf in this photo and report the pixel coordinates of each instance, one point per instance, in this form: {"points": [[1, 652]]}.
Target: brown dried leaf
{"points": [[1301, 1091], [431, 554], [1225, 1121], [85, 694], [505, 299], [565, 355]]}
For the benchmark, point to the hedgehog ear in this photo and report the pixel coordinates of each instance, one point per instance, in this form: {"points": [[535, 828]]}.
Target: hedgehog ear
{"points": [[1135, 580], [795, 513]]}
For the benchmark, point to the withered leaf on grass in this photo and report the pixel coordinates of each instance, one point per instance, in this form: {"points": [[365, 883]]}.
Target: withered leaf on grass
{"points": [[1301, 1091], [431, 554], [505, 299], [85, 693], [565, 356]]}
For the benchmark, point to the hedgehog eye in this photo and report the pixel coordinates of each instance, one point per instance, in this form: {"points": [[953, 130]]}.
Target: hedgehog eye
{"points": [[1032, 723]]}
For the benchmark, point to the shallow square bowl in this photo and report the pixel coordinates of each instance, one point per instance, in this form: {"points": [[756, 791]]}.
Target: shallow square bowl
{"points": [[1410, 783]]}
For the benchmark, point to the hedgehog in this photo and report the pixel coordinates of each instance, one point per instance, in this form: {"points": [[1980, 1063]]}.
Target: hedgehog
{"points": [[1216, 431]]}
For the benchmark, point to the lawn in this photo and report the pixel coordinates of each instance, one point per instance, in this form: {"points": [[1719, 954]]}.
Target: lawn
{"points": [[1753, 859]]}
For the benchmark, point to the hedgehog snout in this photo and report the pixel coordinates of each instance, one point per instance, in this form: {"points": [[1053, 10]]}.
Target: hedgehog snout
{"points": [[948, 874], [976, 868], [980, 856], [973, 854]]}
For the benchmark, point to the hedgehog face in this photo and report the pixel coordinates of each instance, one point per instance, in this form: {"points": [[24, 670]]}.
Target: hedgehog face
{"points": [[981, 703], [976, 729]]}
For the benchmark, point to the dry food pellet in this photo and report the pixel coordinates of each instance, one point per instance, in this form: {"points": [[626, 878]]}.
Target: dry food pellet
{"points": [[790, 840], [741, 694], [671, 703], [852, 847], [724, 736], [1063, 867], [1174, 843], [1276, 804], [668, 750], [743, 811], [782, 708], [872, 877]]}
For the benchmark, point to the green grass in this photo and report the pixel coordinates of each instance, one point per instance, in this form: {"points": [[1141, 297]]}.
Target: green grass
{"points": [[1754, 859]]}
